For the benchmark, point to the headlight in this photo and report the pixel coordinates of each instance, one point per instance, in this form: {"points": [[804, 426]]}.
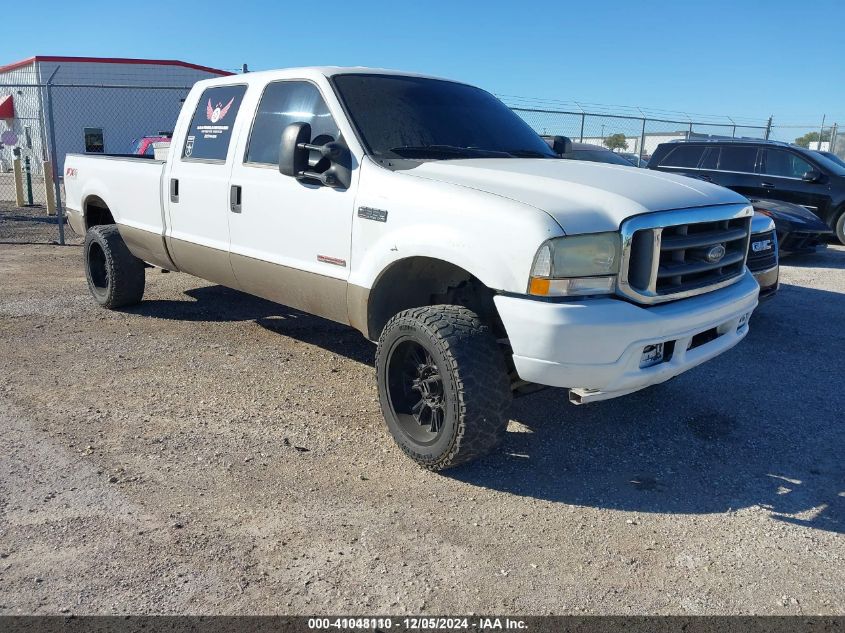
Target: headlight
{"points": [[576, 265]]}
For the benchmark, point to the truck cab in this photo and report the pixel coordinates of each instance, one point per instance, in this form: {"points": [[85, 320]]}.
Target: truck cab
{"points": [[427, 215]]}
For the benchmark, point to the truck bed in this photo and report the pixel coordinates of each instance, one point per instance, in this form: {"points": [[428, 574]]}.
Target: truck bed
{"points": [[131, 184]]}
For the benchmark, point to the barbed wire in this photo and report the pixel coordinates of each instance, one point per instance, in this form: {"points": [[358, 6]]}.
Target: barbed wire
{"points": [[594, 108], [590, 107]]}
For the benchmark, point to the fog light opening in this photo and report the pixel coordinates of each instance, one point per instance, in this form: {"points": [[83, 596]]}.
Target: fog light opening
{"points": [[652, 355]]}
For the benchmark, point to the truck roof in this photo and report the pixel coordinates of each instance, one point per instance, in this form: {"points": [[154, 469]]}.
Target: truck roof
{"points": [[309, 72]]}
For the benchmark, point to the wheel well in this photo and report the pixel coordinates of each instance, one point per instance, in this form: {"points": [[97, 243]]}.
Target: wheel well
{"points": [[422, 281], [96, 212]]}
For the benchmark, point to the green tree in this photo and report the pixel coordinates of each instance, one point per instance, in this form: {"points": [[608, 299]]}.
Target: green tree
{"points": [[616, 141], [812, 137]]}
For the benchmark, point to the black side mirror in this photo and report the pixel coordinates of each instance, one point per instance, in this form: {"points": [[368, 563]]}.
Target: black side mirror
{"points": [[295, 158], [559, 144], [811, 176]]}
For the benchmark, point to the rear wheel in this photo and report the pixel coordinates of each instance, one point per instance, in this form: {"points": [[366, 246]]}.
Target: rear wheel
{"points": [[443, 385], [115, 275]]}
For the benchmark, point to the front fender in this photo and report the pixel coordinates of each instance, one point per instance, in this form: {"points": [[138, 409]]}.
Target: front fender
{"points": [[493, 238], [435, 242]]}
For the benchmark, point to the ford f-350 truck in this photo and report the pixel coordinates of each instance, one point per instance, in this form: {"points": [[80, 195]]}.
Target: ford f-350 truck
{"points": [[427, 215]]}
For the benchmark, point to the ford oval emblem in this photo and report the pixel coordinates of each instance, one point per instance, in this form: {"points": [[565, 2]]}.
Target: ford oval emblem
{"points": [[715, 253]]}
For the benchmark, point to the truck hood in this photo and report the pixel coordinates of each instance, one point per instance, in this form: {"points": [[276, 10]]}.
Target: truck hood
{"points": [[583, 197]]}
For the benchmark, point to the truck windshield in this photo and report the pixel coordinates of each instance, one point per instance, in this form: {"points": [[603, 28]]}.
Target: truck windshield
{"points": [[415, 117]]}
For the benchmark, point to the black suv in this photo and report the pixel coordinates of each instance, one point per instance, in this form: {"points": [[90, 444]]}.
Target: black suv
{"points": [[762, 169]]}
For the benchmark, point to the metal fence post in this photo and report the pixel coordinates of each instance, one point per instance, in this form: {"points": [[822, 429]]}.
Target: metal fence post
{"points": [[27, 170], [583, 116], [60, 209], [49, 190], [642, 142], [18, 168], [821, 133], [769, 128], [832, 148]]}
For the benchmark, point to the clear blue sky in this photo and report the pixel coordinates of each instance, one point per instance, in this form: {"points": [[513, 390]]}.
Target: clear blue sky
{"points": [[744, 59]]}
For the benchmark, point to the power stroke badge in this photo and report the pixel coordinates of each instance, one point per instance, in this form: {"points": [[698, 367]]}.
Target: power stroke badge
{"points": [[370, 213]]}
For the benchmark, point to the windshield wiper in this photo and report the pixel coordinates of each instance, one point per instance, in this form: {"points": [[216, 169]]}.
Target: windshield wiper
{"points": [[529, 153], [448, 150]]}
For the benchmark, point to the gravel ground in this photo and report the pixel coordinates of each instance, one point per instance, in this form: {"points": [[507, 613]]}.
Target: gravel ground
{"points": [[208, 452], [30, 225]]}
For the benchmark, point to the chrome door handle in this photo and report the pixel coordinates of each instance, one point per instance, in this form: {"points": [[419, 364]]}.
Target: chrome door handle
{"points": [[174, 190], [768, 185]]}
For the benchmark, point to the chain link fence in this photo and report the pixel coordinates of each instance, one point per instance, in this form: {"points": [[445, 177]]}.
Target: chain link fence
{"points": [[51, 121], [23, 137], [639, 136]]}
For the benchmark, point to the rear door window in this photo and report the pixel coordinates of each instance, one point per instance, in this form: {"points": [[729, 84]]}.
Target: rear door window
{"points": [[784, 164], [211, 128], [738, 158], [683, 156]]}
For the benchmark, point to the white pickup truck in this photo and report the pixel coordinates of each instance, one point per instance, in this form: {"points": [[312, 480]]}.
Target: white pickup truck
{"points": [[427, 215]]}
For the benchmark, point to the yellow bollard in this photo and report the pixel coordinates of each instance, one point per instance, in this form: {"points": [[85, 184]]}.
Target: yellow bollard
{"points": [[49, 190], [19, 200]]}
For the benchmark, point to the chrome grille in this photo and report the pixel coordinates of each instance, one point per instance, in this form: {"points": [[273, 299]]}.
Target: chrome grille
{"points": [[676, 254], [766, 257]]}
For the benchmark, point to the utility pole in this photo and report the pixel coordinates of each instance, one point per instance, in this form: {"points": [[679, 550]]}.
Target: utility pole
{"points": [[821, 132]]}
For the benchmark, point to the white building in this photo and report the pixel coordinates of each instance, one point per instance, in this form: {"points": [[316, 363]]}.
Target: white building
{"points": [[100, 105]]}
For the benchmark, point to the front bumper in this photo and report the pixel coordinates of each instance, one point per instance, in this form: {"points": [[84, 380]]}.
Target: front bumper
{"points": [[595, 346], [768, 282]]}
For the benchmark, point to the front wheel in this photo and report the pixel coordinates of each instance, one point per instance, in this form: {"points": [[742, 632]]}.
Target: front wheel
{"points": [[443, 385]]}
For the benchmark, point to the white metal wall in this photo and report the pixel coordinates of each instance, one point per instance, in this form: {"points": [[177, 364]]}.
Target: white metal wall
{"points": [[125, 100], [27, 115]]}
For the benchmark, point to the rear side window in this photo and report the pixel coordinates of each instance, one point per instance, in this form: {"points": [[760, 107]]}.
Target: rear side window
{"points": [[683, 156], [211, 128], [738, 158], [778, 162], [283, 103]]}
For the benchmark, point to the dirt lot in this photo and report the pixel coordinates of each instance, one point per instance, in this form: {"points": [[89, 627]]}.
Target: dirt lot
{"points": [[207, 452]]}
